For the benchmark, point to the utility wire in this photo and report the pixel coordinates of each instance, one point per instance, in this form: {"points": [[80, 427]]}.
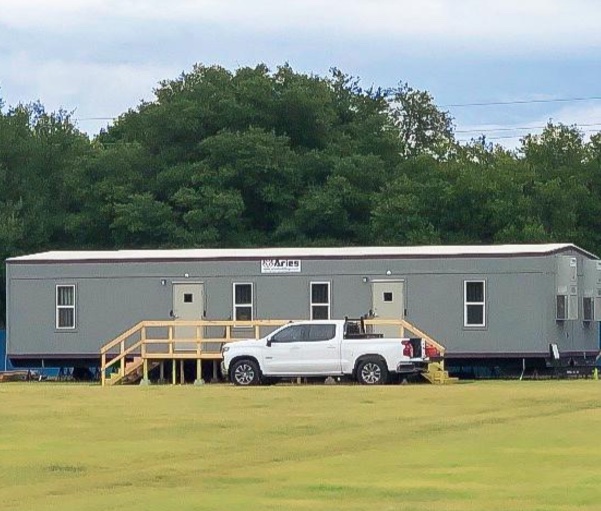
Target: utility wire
{"points": [[520, 128], [451, 105], [506, 137], [523, 102]]}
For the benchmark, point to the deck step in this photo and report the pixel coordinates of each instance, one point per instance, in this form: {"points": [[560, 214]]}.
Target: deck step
{"points": [[133, 372], [437, 375]]}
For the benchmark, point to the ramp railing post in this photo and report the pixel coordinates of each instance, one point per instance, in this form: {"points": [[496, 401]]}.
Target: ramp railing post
{"points": [[122, 364], [103, 370]]}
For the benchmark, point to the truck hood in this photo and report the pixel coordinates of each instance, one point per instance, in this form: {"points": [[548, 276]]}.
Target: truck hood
{"points": [[246, 343]]}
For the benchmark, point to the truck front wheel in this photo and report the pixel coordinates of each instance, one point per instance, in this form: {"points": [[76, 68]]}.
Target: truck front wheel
{"points": [[245, 373], [372, 371]]}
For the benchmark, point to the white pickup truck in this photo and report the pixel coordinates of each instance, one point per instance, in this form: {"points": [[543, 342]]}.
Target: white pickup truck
{"points": [[321, 349]]}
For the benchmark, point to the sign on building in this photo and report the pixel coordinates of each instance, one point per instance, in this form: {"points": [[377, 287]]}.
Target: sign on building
{"points": [[280, 266]]}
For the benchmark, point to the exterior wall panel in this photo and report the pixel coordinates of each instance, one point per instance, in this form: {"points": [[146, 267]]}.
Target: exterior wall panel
{"points": [[113, 296]]}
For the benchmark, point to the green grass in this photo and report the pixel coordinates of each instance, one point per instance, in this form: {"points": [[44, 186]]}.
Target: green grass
{"points": [[479, 446]]}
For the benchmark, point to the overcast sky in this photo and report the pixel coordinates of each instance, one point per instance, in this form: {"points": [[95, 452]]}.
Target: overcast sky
{"points": [[101, 57]]}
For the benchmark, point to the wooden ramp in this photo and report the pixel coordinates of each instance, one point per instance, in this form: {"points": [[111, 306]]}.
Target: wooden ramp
{"points": [[132, 355]]}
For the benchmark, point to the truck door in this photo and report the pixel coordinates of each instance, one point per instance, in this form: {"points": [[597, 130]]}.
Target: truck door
{"points": [[388, 302], [304, 350]]}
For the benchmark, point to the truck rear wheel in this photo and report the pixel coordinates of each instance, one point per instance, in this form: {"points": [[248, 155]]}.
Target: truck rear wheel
{"points": [[372, 371], [245, 373]]}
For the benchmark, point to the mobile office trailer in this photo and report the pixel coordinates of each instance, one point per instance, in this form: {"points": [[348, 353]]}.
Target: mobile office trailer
{"points": [[490, 305]]}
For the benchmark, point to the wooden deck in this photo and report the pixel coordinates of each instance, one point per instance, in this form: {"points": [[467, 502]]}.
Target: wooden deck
{"points": [[151, 343]]}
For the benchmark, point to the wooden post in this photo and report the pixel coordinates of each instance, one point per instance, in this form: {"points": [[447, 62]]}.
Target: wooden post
{"points": [[215, 375], [199, 380], [103, 369], [181, 372], [257, 332], [170, 340], [145, 364], [162, 371], [173, 371], [122, 366]]}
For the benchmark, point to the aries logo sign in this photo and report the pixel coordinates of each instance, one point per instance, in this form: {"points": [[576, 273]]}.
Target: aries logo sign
{"points": [[280, 266]]}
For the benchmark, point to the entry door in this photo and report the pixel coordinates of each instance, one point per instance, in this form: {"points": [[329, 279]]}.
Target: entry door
{"points": [[188, 304], [389, 303]]}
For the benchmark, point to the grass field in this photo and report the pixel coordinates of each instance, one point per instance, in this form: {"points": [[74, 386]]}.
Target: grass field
{"points": [[477, 446]]}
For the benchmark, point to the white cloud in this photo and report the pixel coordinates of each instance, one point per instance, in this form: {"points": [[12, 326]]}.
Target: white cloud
{"points": [[472, 26], [102, 57], [108, 89]]}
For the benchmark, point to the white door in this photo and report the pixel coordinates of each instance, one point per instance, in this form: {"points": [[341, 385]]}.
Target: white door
{"points": [[303, 350], [188, 304], [388, 303]]}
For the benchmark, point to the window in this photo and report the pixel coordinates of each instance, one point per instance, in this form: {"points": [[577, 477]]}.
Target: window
{"points": [[305, 333], [294, 333], [243, 302], [188, 298], [320, 300], [561, 307], [588, 313], [387, 296], [321, 332], [474, 303], [65, 307]]}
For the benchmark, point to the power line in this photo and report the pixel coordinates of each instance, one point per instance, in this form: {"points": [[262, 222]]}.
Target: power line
{"points": [[452, 105], [94, 118], [520, 128], [516, 135], [523, 102], [466, 131]]}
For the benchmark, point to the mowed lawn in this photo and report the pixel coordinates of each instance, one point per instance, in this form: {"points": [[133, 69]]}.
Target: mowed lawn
{"points": [[475, 446]]}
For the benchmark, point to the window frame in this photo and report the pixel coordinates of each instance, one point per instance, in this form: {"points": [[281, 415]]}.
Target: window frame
{"points": [[328, 304], [58, 307], [235, 305], [590, 309], [467, 303]]}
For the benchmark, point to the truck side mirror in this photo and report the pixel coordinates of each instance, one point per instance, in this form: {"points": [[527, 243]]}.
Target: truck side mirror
{"points": [[269, 342]]}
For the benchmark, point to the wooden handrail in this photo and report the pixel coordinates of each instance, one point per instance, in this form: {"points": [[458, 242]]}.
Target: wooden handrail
{"points": [[123, 354], [407, 326], [121, 337], [216, 323]]}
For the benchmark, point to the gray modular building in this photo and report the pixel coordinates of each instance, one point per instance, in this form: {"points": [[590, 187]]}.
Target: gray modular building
{"points": [[484, 303]]}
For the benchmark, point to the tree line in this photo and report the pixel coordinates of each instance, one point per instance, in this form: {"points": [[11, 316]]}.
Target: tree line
{"points": [[260, 157]]}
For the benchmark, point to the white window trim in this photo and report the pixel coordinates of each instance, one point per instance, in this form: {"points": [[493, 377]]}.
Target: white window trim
{"points": [[58, 307], [252, 300], [482, 303], [329, 304]]}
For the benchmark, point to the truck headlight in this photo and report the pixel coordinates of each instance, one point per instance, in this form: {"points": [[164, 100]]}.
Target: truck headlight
{"points": [[224, 349]]}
